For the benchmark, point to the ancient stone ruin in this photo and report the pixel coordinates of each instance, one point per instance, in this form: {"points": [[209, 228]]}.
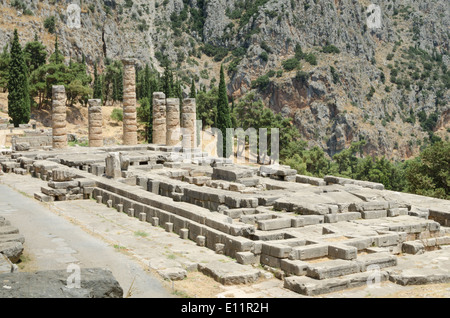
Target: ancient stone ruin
{"points": [[59, 117], [95, 123], [316, 234], [129, 103]]}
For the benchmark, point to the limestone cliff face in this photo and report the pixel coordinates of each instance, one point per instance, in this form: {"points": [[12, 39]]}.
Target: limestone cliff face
{"points": [[374, 88]]}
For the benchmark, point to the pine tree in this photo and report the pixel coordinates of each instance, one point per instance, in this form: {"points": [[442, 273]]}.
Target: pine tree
{"points": [[192, 93], [35, 54], [223, 119], [19, 103]]}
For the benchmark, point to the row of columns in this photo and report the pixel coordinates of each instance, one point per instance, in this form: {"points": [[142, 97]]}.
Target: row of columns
{"points": [[169, 128]]}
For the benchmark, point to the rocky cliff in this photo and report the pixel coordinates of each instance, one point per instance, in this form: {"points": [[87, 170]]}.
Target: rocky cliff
{"points": [[374, 70]]}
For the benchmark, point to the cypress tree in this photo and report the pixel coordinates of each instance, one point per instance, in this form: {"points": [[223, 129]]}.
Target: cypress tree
{"points": [[97, 94], [167, 82], [19, 102], [223, 119], [193, 93], [146, 88], [57, 57]]}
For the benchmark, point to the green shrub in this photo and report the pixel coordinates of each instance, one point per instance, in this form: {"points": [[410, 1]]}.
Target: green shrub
{"points": [[117, 114], [330, 48], [264, 56], [311, 59], [50, 24], [302, 76], [290, 64]]}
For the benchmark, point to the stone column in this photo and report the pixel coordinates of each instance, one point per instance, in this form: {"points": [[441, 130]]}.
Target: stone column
{"points": [[129, 103], [95, 123], [59, 133], [188, 122], [172, 121], [159, 118]]}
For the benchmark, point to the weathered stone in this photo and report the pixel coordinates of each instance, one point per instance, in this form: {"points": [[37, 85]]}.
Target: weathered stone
{"points": [[129, 103], [113, 166], [173, 273], [159, 118], [330, 269], [95, 283], [13, 250], [59, 132], [229, 273], [95, 120]]}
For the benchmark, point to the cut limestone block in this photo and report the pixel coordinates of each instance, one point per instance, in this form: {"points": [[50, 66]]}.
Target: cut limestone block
{"points": [[413, 247], [230, 273], [311, 287], [294, 267], [381, 260], [330, 269], [342, 251], [308, 252]]}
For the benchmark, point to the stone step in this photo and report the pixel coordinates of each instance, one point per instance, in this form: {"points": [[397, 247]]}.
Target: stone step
{"points": [[311, 287], [331, 269], [230, 273]]}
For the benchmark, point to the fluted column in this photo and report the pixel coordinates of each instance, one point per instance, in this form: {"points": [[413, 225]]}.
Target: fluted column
{"points": [[172, 121], [188, 122], [129, 103], [95, 123], [59, 122], [159, 118]]}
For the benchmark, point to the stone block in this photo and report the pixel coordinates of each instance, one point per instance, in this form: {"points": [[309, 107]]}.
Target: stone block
{"points": [[330, 269], [184, 234], [201, 240], [276, 250], [274, 224], [375, 214], [173, 273], [168, 227], [270, 260], [308, 252], [344, 252], [246, 258], [413, 247], [294, 267]]}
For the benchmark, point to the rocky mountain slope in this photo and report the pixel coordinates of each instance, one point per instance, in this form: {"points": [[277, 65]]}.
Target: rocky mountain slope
{"points": [[387, 84]]}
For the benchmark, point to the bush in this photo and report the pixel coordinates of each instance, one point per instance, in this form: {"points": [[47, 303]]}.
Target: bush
{"points": [[330, 49], [261, 82], [311, 59], [290, 64], [302, 77], [264, 56], [117, 114], [50, 24]]}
